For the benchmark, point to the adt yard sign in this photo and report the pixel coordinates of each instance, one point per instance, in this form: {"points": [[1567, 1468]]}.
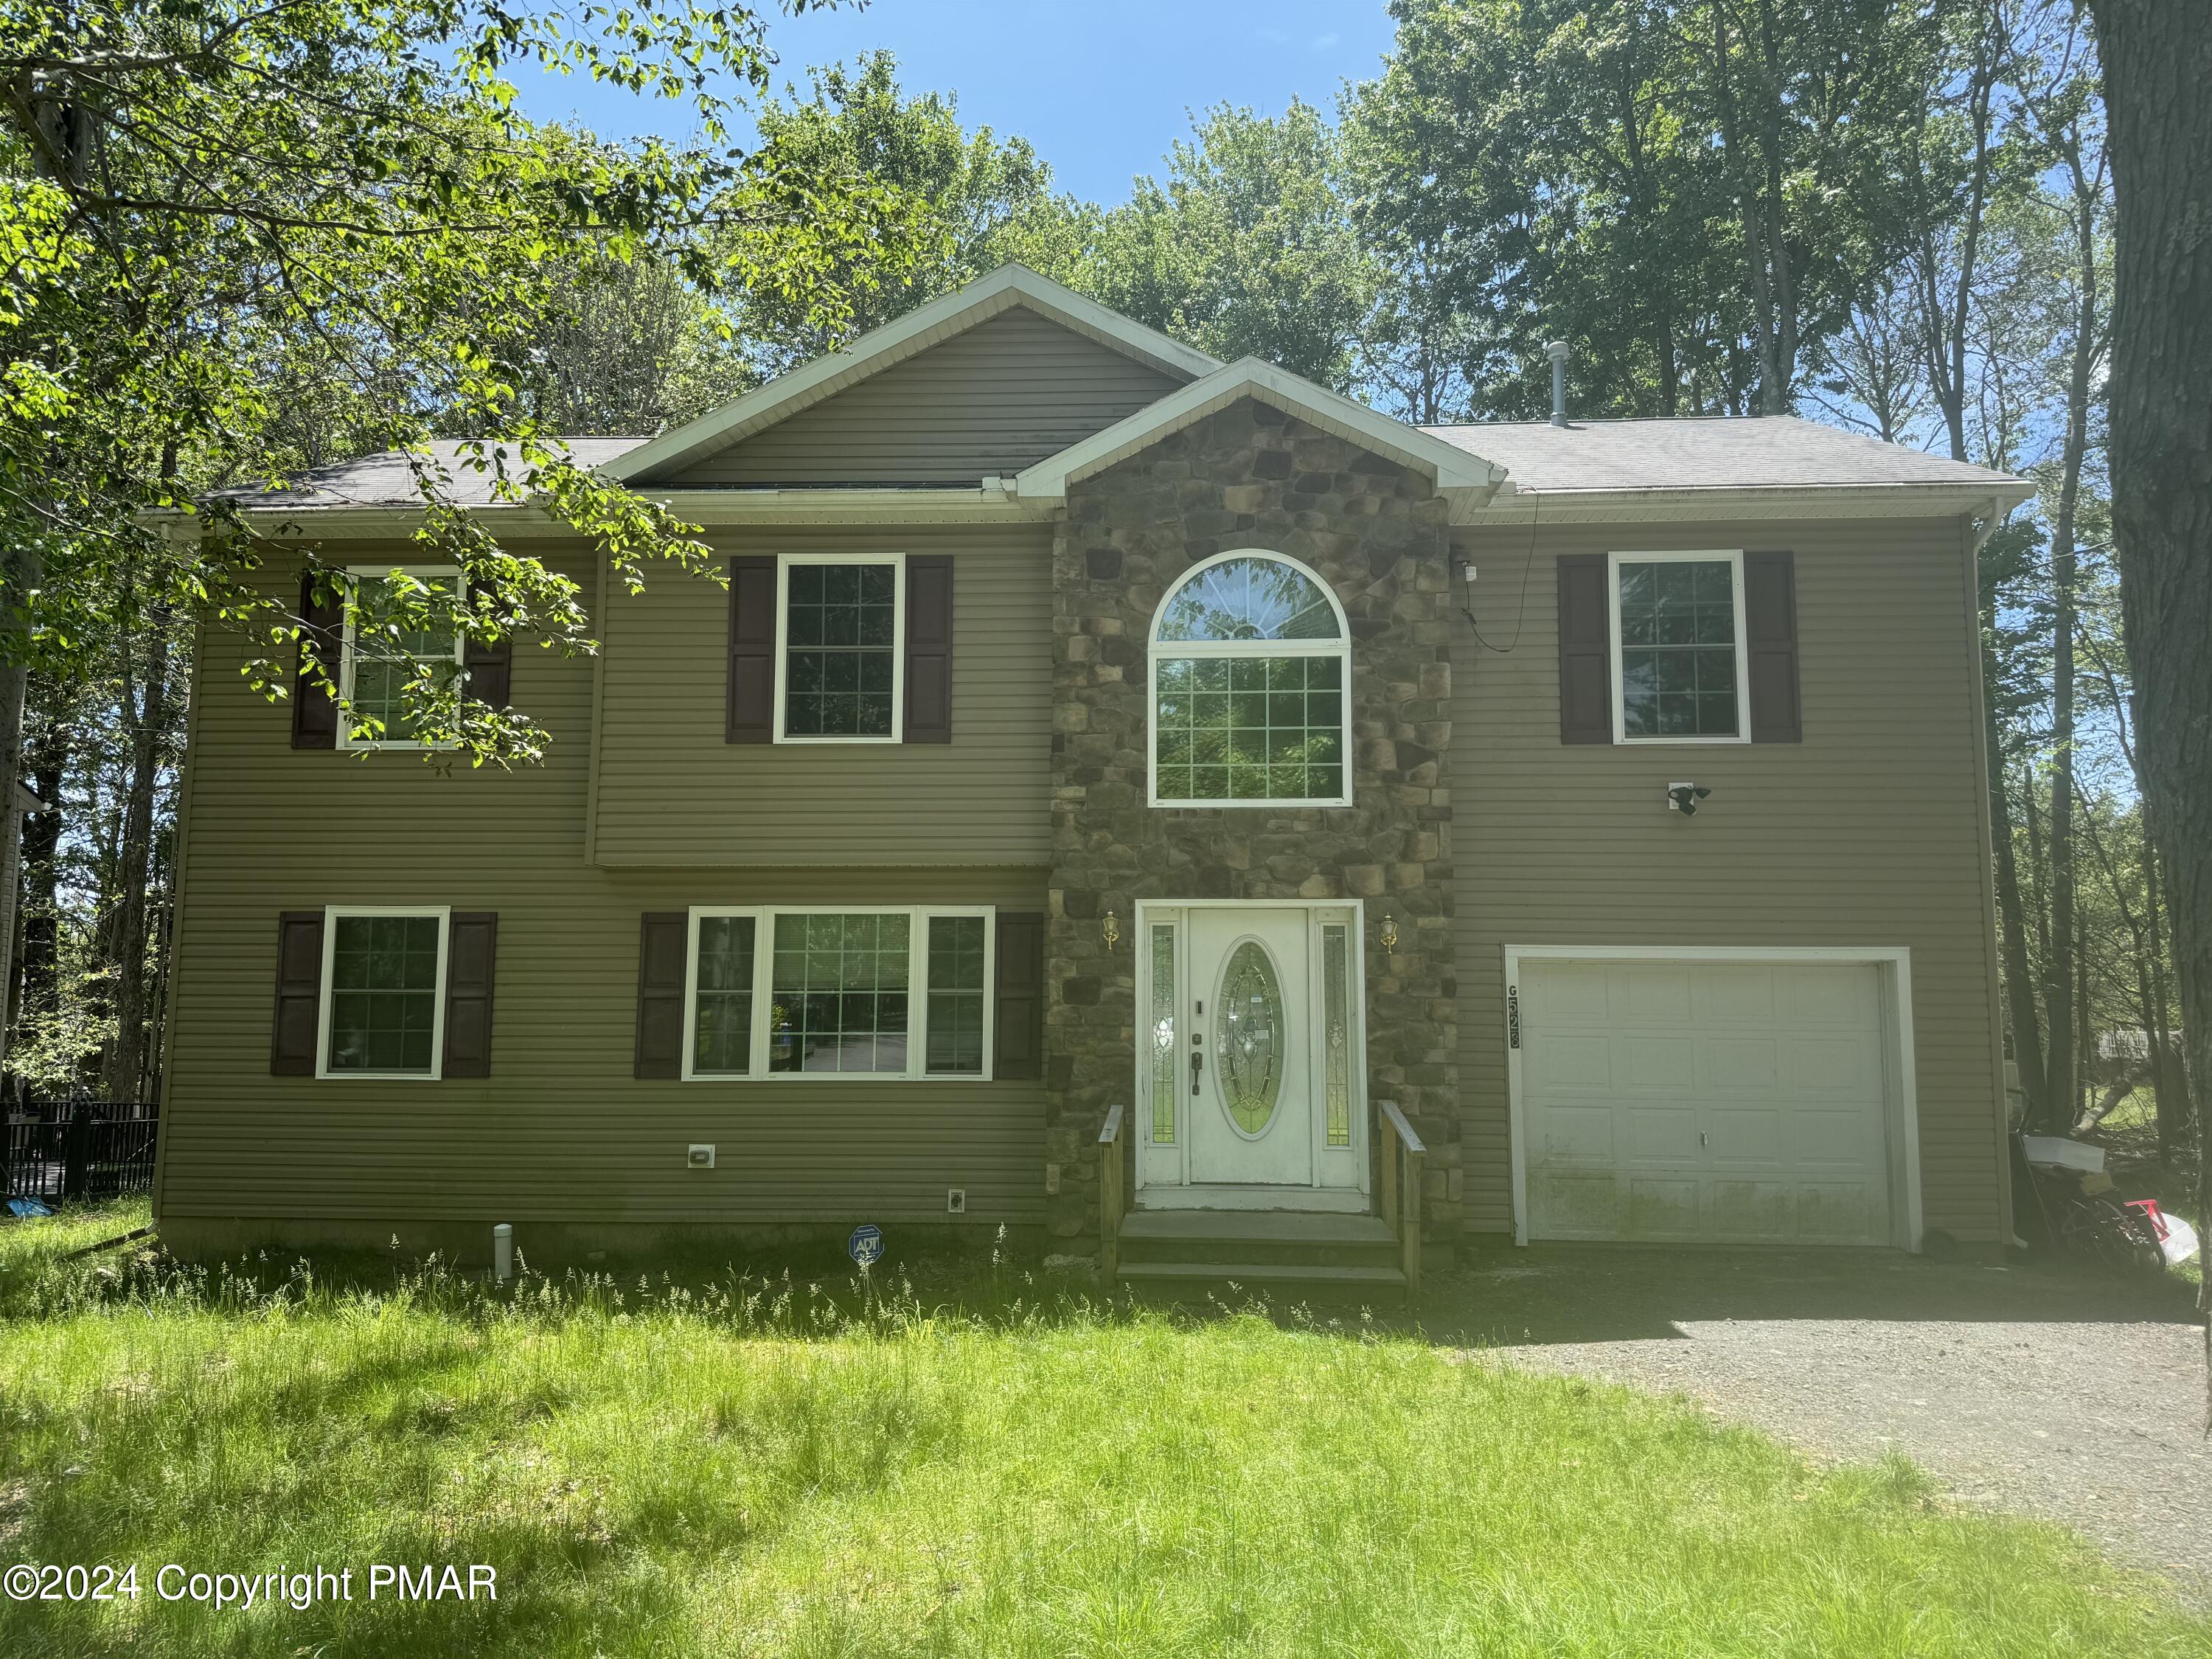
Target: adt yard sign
{"points": [[865, 1246]]}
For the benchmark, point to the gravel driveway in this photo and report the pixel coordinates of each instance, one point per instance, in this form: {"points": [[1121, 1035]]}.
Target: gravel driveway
{"points": [[2074, 1398]]}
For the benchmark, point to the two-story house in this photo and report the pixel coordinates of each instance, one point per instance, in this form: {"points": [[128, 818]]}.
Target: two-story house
{"points": [[1090, 724]]}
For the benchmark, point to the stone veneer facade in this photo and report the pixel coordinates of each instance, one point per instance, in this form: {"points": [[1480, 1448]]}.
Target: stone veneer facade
{"points": [[1251, 476]]}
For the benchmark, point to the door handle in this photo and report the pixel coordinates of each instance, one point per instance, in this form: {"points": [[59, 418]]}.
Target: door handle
{"points": [[1197, 1065]]}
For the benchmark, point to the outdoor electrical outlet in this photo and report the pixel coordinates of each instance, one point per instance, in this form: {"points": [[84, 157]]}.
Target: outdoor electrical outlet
{"points": [[955, 1200], [701, 1156]]}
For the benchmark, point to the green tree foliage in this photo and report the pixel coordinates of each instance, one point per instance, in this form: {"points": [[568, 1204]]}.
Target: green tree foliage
{"points": [[1693, 193], [1247, 247], [192, 191], [974, 202]]}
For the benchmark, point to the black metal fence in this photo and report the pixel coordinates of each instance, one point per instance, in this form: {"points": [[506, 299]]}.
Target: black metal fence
{"points": [[83, 1149]]}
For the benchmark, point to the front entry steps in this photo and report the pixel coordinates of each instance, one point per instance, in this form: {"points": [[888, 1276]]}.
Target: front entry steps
{"points": [[1301, 1255]]}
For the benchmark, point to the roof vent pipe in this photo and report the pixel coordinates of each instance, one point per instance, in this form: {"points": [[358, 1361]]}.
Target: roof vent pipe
{"points": [[1556, 351]]}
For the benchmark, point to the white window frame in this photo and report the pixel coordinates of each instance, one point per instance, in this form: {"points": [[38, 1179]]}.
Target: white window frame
{"points": [[1339, 647], [444, 913], [783, 564], [349, 651], [1733, 557], [917, 1048]]}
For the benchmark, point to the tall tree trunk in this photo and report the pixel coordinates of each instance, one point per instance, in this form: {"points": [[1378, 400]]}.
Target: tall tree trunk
{"points": [[38, 955], [128, 942], [2012, 917], [2158, 62], [2167, 1076]]}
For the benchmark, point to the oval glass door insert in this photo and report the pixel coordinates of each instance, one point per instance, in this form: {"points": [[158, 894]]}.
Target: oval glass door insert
{"points": [[1251, 1042]]}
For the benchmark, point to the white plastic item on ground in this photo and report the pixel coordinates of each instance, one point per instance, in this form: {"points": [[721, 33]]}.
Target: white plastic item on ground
{"points": [[2177, 1239], [2056, 1152]]}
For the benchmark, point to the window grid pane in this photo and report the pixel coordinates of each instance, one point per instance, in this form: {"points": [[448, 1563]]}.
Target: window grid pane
{"points": [[383, 993], [838, 992], [1163, 1033], [1250, 599], [384, 663], [1678, 649], [1249, 729], [1336, 1000], [956, 996], [841, 624], [723, 1018]]}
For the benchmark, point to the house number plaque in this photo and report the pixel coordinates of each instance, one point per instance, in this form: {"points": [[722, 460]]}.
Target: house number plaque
{"points": [[1513, 1016]]}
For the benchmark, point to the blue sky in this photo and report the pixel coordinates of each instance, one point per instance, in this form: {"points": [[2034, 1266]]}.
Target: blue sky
{"points": [[1102, 87]]}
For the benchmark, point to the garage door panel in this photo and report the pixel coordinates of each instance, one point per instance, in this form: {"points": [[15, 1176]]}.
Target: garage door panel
{"points": [[1740, 996], [1840, 1212], [1748, 1211], [1743, 1062], [1743, 1102], [1747, 1134], [1579, 1206], [1574, 1133], [1647, 999], [1656, 1064], [1659, 1208], [1847, 1065], [1657, 1131], [1571, 1060]]}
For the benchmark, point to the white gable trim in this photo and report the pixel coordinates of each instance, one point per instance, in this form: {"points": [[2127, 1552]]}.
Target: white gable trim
{"points": [[1007, 287], [1467, 480]]}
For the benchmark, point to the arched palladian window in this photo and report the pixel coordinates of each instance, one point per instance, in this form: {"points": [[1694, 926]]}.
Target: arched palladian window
{"points": [[1251, 687]]}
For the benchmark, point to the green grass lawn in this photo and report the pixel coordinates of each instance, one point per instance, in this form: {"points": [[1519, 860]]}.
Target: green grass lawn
{"points": [[753, 1467]]}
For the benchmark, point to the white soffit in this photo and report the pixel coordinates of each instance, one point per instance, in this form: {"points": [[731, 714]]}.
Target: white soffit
{"points": [[1464, 478], [1004, 288]]}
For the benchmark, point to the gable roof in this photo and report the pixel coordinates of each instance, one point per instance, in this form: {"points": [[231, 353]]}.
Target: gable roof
{"points": [[1009, 286], [1765, 452], [1463, 476]]}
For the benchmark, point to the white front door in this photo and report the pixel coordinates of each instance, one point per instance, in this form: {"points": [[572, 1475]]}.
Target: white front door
{"points": [[1251, 1119], [1248, 1074]]}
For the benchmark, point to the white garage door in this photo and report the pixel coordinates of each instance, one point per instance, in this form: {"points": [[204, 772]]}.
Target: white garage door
{"points": [[1735, 1103]]}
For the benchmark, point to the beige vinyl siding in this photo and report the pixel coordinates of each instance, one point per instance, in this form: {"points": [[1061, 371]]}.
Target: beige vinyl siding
{"points": [[671, 791], [1869, 832], [999, 397], [560, 1131]]}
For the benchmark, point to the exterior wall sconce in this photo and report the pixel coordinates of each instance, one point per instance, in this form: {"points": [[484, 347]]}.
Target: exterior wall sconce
{"points": [[1387, 935], [1109, 929]]}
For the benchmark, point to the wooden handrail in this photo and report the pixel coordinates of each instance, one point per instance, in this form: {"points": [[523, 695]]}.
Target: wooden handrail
{"points": [[1112, 1196], [1403, 1155]]}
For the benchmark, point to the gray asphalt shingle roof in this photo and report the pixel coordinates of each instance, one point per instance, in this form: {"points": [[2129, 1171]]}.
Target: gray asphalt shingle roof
{"points": [[1708, 454], [1701, 453], [387, 480]]}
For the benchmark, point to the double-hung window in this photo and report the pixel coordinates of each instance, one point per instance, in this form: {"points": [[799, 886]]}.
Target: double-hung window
{"points": [[895, 992], [1679, 668], [383, 655], [384, 991], [841, 633]]}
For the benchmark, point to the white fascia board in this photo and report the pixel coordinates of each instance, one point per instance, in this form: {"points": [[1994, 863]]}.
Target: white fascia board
{"points": [[1466, 477], [1868, 501], [1009, 286], [705, 507]]}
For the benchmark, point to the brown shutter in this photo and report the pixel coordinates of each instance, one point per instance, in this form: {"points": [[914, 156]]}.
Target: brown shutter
{"points": [[471, 951], [1019, 1040], [750, 717], [1769, 614], [299, 993], [663, 939], [314, 711], [1585, 650], [929, 648], [490, 670]]}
